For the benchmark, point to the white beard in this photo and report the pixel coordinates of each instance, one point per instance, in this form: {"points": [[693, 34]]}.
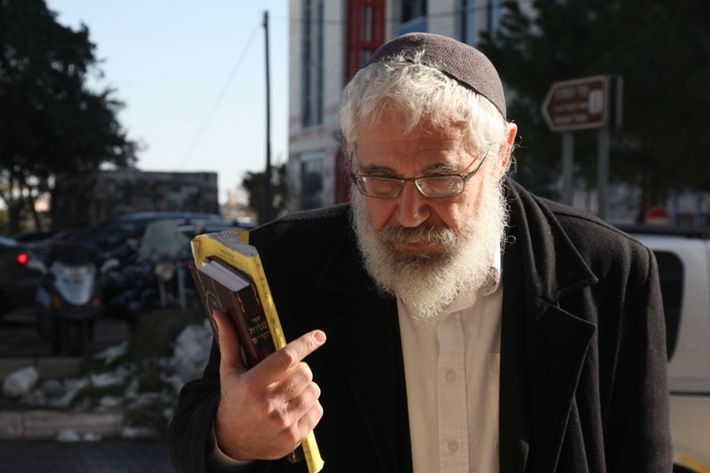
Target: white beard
{"points": [[428, 283]]}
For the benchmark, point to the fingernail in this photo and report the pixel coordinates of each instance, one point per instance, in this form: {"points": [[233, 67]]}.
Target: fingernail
{"points": [[319, 336]]}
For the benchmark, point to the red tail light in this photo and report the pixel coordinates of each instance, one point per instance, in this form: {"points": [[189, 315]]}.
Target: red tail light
{"points": [[23, 258]]}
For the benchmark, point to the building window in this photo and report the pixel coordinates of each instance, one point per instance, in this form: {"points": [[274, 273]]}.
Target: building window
{"points": [[413, 16], [470, 26], [364, 33], [312, 63], [493, 10], [467, 22], [311, 180]]}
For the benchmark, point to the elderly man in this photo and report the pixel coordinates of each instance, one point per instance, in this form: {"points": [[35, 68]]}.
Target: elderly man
{"points": [[472, 327]]}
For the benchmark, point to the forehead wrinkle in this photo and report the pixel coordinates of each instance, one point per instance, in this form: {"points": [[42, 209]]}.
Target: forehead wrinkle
{"points": [[415, 149]]}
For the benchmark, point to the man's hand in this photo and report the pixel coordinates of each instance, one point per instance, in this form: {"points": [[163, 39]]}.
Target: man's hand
{"points": [[266, 412]]}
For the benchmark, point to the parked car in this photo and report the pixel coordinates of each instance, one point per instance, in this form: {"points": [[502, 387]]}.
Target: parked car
{"points": [[684, 267], [120, 236], [18, 281]]}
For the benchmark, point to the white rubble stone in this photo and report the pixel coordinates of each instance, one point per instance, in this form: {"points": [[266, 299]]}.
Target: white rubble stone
{"points": [[110, 354], [68, 435], [52, 387], [103, 380], [129, 432], [175, 381], [71, 389], [110, 401], [191, 351], [20, 382], [91, 437]]}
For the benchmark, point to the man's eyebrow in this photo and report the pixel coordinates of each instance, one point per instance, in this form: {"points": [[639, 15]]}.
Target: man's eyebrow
{"points": [[434, 169], [374, 170]]}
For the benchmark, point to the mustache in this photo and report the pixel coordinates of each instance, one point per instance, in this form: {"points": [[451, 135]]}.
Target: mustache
{"points": [[431, 234]]}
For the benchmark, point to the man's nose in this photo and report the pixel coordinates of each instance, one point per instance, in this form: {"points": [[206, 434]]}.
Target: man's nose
{"points": [[412, 206]]}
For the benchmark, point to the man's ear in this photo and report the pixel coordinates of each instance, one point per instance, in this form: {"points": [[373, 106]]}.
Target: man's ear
{"points": [[510, 141]]}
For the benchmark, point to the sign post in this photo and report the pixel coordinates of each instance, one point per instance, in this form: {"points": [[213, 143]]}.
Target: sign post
{"points": [[584, 104]]}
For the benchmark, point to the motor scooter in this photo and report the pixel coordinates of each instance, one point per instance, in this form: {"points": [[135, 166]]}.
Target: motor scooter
{"points": [[69, 298]]}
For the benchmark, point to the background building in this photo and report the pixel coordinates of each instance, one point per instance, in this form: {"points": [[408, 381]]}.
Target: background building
{"points": [[90, 199], [330, 41]]}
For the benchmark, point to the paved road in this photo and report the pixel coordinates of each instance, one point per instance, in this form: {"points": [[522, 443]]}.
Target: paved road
{"points": [[108, 456]]}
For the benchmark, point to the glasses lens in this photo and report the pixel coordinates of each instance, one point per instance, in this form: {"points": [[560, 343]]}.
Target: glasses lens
{"points": [[378, 186], [440, 186]]}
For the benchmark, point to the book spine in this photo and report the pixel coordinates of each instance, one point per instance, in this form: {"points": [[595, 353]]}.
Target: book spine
{"points": [[250, 314]]}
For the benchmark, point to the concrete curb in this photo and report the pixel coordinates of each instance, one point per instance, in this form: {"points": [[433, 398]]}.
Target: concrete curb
{"points": [[43, 424], [47, 424], [64, 367]]}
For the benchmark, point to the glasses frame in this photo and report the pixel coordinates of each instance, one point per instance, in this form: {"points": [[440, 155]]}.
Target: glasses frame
{"points": [[357, 179]]}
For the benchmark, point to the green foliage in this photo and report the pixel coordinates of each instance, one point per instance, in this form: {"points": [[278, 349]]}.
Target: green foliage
{"points": [[662, 50], [92, 394], [253, 183], [156, 330], [150, 416], [51, 122]]}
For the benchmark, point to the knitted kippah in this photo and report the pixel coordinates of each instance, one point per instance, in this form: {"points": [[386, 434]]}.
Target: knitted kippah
{"points": [[466, 64]]}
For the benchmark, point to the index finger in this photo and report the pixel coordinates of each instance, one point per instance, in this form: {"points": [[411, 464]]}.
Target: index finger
{"points": [[278, 363]]}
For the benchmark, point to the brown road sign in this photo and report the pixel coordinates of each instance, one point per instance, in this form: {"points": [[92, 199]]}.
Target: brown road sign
{"points": [[578, 104]]}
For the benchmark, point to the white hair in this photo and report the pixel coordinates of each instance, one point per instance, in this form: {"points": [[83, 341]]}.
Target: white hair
{"points": [[421, 94]]}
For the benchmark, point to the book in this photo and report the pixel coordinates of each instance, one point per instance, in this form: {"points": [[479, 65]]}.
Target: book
{"points": [[229, 277], [223, 288]]}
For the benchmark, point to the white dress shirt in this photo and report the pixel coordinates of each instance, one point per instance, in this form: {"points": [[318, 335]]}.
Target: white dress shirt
{"points": [[452, 376]]}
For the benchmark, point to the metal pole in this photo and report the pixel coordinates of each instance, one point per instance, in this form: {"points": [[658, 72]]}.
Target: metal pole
{"points": [[567, 168], [268, 199], [602, 172]]}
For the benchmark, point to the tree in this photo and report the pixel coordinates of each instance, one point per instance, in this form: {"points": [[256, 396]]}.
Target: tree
{"points": [[662, 50], [253, 183], [51, 122]]}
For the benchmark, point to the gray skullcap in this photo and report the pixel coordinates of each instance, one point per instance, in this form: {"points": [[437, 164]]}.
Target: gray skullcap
{"points": [[470, 67]]}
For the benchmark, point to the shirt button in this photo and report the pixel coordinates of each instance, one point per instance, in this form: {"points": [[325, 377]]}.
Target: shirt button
{"points": [[450, 376], [453, 446]]}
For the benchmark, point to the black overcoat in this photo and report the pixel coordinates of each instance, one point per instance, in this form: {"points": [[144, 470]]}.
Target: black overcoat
{"points": [[583, 360]]}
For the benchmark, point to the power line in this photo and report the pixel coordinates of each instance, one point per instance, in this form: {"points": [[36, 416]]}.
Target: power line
{"points": [[217, 101]]}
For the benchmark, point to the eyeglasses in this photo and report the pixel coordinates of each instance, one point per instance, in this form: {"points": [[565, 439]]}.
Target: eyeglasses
{"points": [[434, 187]]}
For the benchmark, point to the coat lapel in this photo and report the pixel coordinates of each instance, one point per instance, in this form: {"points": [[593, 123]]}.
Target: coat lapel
{"points": [[543, 346], [365, 339]]}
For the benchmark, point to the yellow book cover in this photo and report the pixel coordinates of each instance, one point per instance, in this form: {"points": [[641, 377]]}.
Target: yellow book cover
{"points": [[232, 248]]}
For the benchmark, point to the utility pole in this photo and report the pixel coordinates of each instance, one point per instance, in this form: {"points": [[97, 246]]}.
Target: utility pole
{"points": [[268, 211]]}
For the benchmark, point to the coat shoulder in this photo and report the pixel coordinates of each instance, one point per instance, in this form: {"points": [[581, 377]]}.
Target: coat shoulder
{"points": [[587, 230]]}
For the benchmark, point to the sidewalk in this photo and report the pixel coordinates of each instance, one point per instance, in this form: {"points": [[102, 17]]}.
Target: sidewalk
{"points": [[108, 456]]}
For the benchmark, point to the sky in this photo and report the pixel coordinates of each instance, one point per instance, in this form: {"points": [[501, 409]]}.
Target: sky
{"points": [[192, 77]]}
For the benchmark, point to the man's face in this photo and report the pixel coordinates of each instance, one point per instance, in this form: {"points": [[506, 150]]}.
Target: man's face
{"points": [[421, 249], [385, 151]]}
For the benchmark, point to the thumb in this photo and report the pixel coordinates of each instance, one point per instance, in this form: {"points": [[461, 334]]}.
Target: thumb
{"points": [[230, 352]]}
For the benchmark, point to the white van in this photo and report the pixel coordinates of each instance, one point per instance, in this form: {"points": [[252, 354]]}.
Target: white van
{"points": [[684, 266]]}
